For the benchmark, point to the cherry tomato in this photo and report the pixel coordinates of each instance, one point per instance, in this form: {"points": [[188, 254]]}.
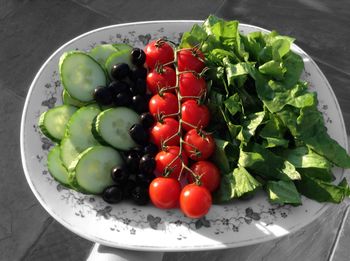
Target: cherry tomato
{"points": [[164, 158], [195, 201], [190, 60], [198, 146], [194, 114], [164, 130], [164, 104], [158, 52], [165, 192], [209, 174], [191, 84], [161, 78]]}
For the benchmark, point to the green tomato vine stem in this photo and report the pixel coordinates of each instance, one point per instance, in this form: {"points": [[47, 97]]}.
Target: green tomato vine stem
{"points": [[184, 167]]}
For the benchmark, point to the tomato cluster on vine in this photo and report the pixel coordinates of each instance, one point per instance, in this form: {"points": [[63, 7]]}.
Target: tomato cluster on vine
{"points": [[185, 176]]}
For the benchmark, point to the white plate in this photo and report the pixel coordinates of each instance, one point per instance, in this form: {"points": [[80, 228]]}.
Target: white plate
{"points": [[147, 228]]}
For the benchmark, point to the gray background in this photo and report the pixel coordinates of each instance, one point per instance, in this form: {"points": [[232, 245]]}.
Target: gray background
{"points": [[30, 30]]}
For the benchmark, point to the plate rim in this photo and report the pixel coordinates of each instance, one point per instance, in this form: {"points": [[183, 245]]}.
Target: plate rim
{"points": [[155, 248]]}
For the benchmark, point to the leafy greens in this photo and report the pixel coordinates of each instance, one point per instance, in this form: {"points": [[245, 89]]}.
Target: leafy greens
{"points": [[269, 132]]}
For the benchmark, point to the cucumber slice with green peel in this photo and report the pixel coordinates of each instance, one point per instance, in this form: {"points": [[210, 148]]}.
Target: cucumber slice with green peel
{"points": [[69, 152], [56, 167], [123, 56], [92, 172], [96, 135], [69, 100], [54, 121], [113, 126], [101, 52], [106, 107], [80, 74], [78, 135], [122, 47], [79, 125]]}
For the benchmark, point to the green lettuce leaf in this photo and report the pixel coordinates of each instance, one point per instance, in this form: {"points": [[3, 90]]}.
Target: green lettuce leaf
{"points": [[235, 184], [274, 69], [265, 119], [276, 96], [267, 164], [253, 43], [249, 126], [306, 161], [307, 125], [233, 104], [225, 155], [233, 71], [226, 34], [312, 131], [304, 157], [273, 133], [289, 116], [197, 36], [294, 65], [280, 47], [323, 191], [283, 192], [217, 56], [317, 173], [272, 142], [274, 47]]}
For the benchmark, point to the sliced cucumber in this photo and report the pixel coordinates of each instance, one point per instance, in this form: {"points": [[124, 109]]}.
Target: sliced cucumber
{"points": [[69, 152], [122, 47], [79, 125], [55, 166], [113, 126], [106, 107], [53, 122], [92, 172], [78, 136], [80, 75], [96, 135], [69, 100], [101, 52], [123, 56]]}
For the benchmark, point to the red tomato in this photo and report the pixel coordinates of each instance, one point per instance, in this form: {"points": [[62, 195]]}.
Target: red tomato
{"points": [[165, 192], [195, 201], [161, 78], [195, 114], [158, 52], [198, 146], [164, 104], [209, 174], [190, 60], [191, 85], [164, 130], [164, 158]]}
